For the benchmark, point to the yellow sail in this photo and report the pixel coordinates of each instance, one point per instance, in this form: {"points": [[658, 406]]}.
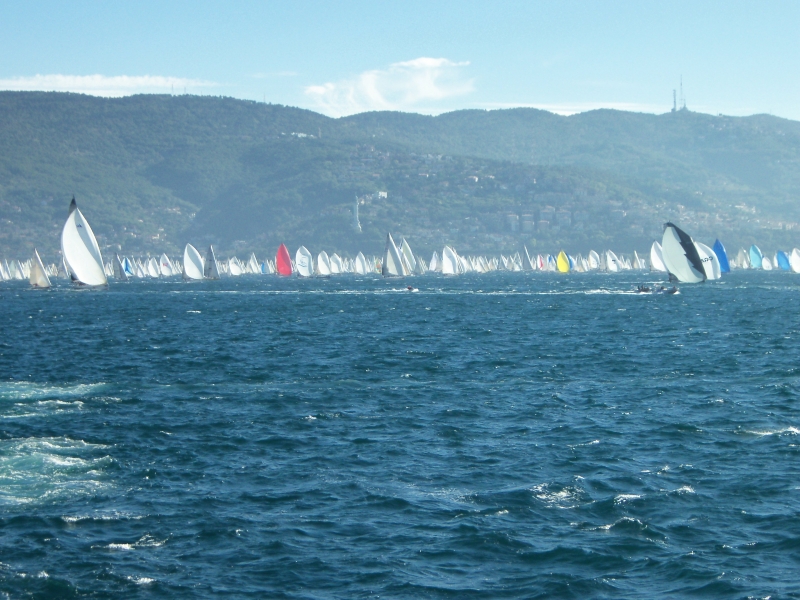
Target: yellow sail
{"points": [[562, 262]]}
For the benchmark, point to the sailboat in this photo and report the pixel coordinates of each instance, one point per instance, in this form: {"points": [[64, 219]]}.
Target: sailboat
{"points": [[119, 270], [210, 267], [794, 260], [410, 262], [304, 262], [38, 277], [435, 264], [323, 264], [234, 267], [80, 250], [756, 257], [680, 255], [450, 261], [152, 268], [722, 257], [392, 263], [766, 263], [192, 263], [283, 262], [657, 258], [708, 257], [612, 262], [165, 266], [336, 264], [562, 262]]}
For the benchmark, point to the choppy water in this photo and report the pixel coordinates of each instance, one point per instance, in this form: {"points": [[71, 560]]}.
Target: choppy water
{"points": [[495, 436]]}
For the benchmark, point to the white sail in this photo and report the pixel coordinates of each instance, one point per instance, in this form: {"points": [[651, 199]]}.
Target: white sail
{"points": [[210, 267], [80, 250], [152, 267], [794, 260], [360, 266], [304, 262], [192, 263], [392, 264], [710, 261], [119, 269], [450, 264], [612, 262], [435, 264], [38, 277], [323, 264], [766, 264], [165, 266], [681, 256], [336, 264], [252, 264], [234, 267], [657, 258], [408, 256]]}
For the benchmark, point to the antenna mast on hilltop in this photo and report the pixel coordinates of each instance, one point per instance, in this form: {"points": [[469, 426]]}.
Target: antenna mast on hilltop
{"points": [[683, 98], [674, 101]]}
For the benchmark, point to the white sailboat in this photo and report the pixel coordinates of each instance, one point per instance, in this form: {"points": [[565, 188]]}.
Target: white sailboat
{"points": [[710, 261], [323, 264], [360, 266], [657, 258], [336, 264], [211, 268], [794, 260], [450, 264], [410, 262], [435, 264], [612, 262], [80, 250], [192, 264], [165, 266], [38, 277], [119, 269], [304, 262], [392, 263], [680, 255]]}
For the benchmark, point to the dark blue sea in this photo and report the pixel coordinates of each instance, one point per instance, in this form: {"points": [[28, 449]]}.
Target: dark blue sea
{"points": [[509, 435]]}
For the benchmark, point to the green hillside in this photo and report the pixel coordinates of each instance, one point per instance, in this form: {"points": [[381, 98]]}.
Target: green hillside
{"points": [[154, 172]]}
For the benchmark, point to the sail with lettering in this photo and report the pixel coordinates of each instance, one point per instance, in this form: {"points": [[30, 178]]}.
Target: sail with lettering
{"points": [[283, 262], [165, 265], [680, 255], [708, 257], [304, 262]]}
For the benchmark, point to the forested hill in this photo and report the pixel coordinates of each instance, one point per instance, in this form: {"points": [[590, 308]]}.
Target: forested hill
{"points": [[153, 172]]}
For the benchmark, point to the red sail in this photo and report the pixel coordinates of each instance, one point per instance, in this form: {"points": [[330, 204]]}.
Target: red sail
{"points": [[283, 262]]}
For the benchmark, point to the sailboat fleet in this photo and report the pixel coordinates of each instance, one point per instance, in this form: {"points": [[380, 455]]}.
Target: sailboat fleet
{"points": [[677, 254]]}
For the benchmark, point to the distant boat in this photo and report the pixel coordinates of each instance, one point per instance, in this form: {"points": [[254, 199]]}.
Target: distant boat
{"points": [[283, 262], [152, 268], [680, 255], [435, 264], [612, 262], [392, 264], [38, 277], [450, 264], [165, 264], [304, 262], [756, 257], [80, 250], [234, 267], [722, 257], [794, 260], [782, 260], [210, 267], [119, 269], [323, 264], [361, 267], [192, 264], [657, 258], [766, 263], [708, 257], [252, 265], [410, 263], [563, 262], [530, 264], [336, 264]]}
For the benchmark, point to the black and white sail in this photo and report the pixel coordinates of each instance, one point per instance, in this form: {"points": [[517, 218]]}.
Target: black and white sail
{"points": [[680, 255]]}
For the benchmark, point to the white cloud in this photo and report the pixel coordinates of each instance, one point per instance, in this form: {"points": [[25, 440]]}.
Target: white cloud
{"points": [[418, 85], [100, 85]]}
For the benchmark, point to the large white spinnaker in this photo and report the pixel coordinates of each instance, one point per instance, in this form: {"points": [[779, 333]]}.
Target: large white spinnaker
{"points": [[392, 264], [360, 266], [710, 261], [680, 255], [165, 266], [612, 262], [80, 250], [410, 262], [192, 263], [304, 262], [657, 258], [38, 276], [323, 264], [450, 263], [211, 268]]}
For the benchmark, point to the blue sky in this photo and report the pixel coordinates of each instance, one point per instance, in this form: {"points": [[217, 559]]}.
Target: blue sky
{"points": [[736, 58]]}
